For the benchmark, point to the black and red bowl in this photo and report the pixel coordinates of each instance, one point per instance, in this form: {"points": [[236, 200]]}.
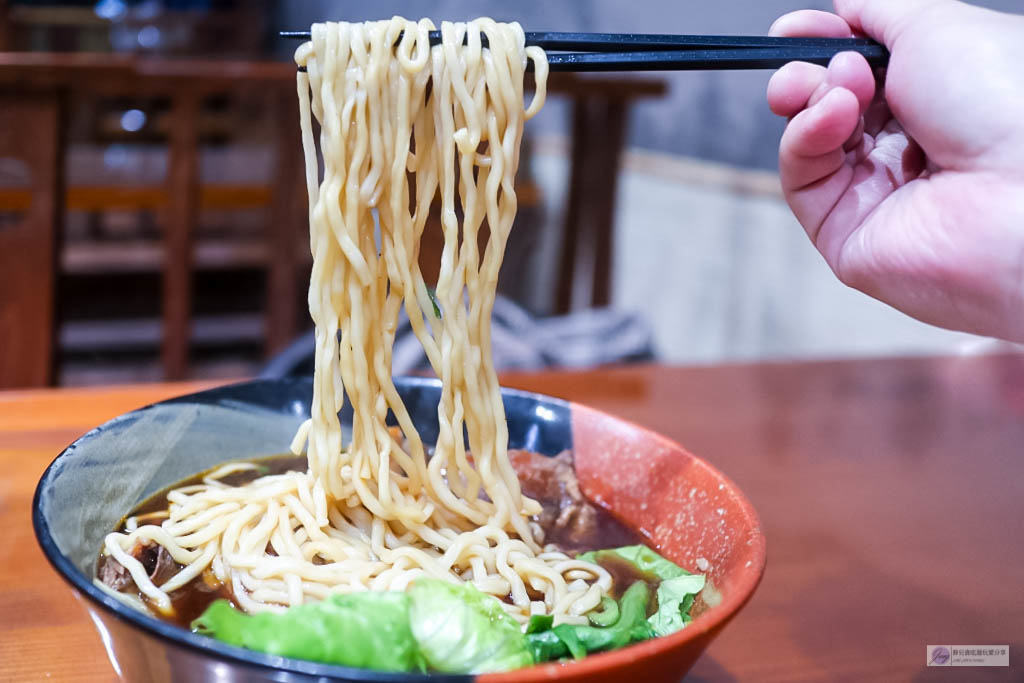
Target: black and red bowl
{"points": [[690, 511]]}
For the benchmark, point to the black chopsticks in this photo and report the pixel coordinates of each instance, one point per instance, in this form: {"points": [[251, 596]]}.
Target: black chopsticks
{"points": [[665, 52], [693, 60]]}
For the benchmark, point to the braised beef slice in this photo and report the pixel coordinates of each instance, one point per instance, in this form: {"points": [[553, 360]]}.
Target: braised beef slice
{"points": [[568, 519], [155, 559], [159, 564], [112, 573]]}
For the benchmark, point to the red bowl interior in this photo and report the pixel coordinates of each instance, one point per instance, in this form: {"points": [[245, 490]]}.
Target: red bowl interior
{"points": [[688, 510]]}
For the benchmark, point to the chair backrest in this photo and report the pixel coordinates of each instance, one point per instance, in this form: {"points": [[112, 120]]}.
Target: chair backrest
{"points": [[29, 159]]}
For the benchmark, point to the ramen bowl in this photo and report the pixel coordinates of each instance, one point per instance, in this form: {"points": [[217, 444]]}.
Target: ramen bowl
{"points": [[690, 512]]}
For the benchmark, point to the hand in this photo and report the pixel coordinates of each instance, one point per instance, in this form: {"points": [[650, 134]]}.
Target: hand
{"points": [[914, 194]]}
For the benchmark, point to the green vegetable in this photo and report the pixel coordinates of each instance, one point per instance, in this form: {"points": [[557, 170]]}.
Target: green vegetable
{"points": [[455, 628], [366, 630], [459, 629], [677, 589], [675, 598], [447, 627], [608, 614], [433, 302], [546, 646], [540, 622], [641, 557], [569, 639]]}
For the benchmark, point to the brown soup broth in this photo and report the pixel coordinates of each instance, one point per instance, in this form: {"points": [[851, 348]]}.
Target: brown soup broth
{"points": [[191, 600]]}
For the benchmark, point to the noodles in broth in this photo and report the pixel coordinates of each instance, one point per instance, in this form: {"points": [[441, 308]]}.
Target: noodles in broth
{"points": [[401, 123]]}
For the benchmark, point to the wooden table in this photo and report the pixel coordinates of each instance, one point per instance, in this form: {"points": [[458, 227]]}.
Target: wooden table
{"points": [[891, 492]]}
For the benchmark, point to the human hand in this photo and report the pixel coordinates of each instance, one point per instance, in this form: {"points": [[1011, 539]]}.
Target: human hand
{"points": [[915, 194]]}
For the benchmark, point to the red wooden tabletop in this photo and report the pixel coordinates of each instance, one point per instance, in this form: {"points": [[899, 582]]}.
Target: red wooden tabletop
{"points": [[891, 493]]}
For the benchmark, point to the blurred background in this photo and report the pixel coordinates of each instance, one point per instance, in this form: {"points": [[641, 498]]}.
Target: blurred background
{"points": [[153, 217]]}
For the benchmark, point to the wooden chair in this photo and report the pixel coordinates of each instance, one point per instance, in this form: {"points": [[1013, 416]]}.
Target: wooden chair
{"points": [[600, 110], [29, 237], [600, 114], [185, 83]]}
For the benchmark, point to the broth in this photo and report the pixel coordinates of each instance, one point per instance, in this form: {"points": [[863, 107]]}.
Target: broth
{"points": [[569, 521]]}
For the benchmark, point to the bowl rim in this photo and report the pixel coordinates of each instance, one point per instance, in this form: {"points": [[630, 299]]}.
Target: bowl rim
{"points": [[711, 620]]}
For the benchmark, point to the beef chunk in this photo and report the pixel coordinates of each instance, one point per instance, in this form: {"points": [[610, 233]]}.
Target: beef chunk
{"points": [[158, 562], [568, 518], [112, 573], [155, 559]]}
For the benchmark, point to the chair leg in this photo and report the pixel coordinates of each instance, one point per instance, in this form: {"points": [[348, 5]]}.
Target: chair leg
{"points": [[182, 212], [598, 135], [287, 223]]}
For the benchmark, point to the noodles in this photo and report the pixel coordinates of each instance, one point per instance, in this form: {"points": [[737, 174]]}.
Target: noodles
{"points": [[402, 123]]}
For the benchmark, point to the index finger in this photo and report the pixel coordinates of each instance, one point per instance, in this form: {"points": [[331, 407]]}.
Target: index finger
{"points": [[811, 23]]}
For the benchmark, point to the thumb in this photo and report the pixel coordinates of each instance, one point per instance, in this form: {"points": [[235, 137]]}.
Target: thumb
{"points": [[885, 20]]}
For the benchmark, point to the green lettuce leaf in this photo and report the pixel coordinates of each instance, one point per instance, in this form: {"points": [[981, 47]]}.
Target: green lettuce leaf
{"points": [[676, 591], [459, 629], [641, 557], [675, 598], [576, 641], [456, 628], [366, 630]]}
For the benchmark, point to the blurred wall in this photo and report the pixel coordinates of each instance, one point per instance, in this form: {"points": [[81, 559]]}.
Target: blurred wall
{"points": [[720, 116]]}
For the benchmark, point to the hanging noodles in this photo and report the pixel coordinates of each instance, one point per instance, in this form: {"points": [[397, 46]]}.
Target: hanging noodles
{"points": [[401, 123]]}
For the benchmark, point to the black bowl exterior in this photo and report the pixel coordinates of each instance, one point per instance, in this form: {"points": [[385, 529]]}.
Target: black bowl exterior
{"points": [[102, 475]]}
